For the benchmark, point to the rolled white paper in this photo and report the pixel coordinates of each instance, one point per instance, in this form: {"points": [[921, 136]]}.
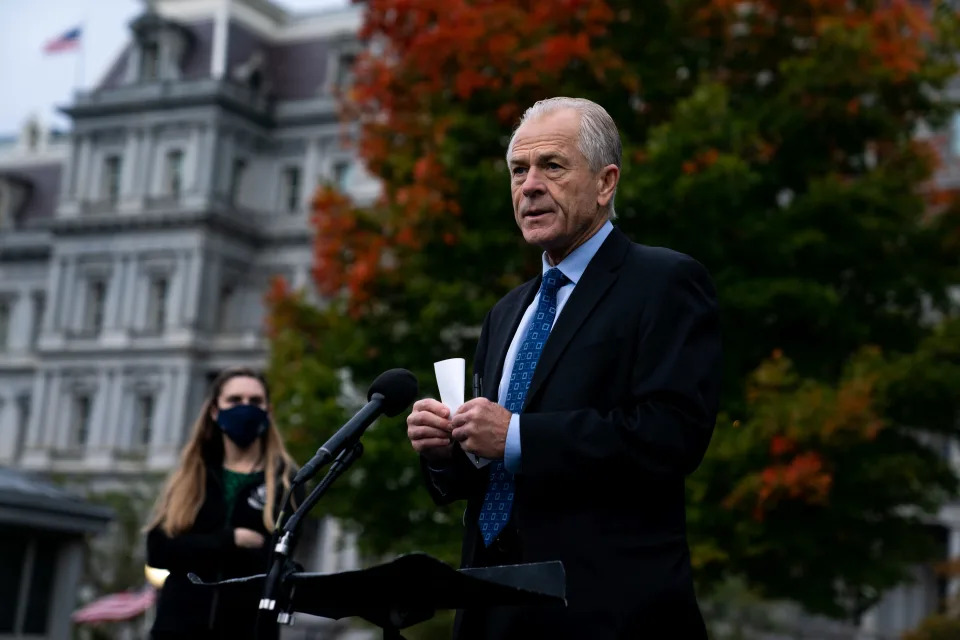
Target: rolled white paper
{"points": [[451, 381]]}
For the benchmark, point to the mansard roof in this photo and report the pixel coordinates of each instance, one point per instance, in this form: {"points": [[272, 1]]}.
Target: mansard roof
{"points": [[295, 68]]}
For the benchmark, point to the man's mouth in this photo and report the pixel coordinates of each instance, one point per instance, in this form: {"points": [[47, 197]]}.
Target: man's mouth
{"points": [[536, 213]]}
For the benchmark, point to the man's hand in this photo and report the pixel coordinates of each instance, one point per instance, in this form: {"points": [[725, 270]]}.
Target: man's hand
{"points": [[428, 428], [480, 426]]}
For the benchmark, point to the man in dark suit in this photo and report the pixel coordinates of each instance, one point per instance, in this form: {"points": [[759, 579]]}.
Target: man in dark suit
{"points": [[600, 386]]}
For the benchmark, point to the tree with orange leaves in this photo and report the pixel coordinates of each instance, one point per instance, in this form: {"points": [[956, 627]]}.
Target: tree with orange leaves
{"points": [[774, 141]]}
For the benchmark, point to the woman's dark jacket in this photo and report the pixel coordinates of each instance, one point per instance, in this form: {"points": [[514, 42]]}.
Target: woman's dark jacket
{"points": [[208, 550]]}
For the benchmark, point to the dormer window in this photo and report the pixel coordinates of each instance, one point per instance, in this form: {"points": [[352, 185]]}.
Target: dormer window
{"points": [[160, 46], [14, 194], [341, 62], [149, 61], [345, 65]]}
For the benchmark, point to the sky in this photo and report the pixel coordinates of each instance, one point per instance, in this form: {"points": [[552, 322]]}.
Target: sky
{"points": [[35, 83]]}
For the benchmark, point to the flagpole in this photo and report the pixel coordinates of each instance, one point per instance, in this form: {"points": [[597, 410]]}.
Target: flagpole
{"points": [[78, 67]]}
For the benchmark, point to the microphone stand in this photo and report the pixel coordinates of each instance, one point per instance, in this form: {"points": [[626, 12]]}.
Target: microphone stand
{"points": [[276, 595]]}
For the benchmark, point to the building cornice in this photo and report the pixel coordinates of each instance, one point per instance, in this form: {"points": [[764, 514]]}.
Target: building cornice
{"points": [[25, 245], [173, 95], [113, 223]]}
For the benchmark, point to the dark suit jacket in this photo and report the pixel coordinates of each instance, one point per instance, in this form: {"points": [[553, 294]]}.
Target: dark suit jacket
{"points": [[620, 409]]}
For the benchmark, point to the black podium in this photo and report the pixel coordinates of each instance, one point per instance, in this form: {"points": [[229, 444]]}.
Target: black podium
{"points": [[410, 589]]}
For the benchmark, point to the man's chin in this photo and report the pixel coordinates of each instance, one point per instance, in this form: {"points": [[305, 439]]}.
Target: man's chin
{"points": [[538, 236]]}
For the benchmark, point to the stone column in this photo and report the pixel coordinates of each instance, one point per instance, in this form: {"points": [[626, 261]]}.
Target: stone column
{"points": [[164, 402], [53, 411], [68, 313], [178, 420], [113, 438], [149, 147], [96, 439], [308, 175], [221, 26], [211, 293], [68, 179], [53, 290], [191, 162], [114, 291], [207, 162], [114, 318], [176, 295], [192, 287], [39, 408], [84, 169], [129, 293], [128, 185]]}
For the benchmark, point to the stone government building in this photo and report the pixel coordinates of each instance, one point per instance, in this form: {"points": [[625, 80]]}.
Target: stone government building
{"points": [[135, 251]]}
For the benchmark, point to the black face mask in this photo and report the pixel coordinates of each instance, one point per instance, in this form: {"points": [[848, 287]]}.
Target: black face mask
{"points": [[243, 423]]}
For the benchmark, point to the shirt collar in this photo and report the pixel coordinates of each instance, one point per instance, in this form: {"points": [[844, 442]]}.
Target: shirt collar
{"points": [[576, 263]]}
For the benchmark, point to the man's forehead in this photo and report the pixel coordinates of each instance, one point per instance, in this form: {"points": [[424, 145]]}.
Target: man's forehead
{"points": [[544, 139], [564, 122]]}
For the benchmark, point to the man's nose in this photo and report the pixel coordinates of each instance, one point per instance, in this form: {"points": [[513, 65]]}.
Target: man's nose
{"points": [[532, 185]]}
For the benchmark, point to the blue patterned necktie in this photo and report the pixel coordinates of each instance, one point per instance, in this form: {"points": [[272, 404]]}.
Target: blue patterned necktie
{"points": [[499, 499]]}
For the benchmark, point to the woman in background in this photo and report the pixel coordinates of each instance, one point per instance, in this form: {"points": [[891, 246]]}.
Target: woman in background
{"points": [[218, 510]]}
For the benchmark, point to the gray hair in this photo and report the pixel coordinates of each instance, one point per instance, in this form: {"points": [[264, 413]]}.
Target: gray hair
{"points": [[598, 141]]}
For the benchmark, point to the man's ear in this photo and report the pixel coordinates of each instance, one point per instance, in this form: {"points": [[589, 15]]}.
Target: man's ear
{"points": [[607, 180]]}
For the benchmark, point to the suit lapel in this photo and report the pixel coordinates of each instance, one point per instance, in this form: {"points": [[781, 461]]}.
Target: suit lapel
{"points": [[599, 275], [501, 341]]}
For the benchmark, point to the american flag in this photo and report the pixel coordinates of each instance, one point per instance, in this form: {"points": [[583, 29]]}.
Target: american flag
{"points": [[116, 607], [66, 41]]}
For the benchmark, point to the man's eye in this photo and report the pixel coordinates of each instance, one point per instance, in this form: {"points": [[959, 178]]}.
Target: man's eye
{"points": [[552, 165], [519, 171]]}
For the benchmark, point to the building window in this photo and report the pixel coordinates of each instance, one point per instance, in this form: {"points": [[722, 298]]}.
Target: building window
{"points": [[149, 61], [236, 178], [39, 308], [143, 420], [80, 419], [345, 64], [110, 187], [93, 310], [6, 309], [157, 304], [173, 173], [341, 173], [291, 189]]}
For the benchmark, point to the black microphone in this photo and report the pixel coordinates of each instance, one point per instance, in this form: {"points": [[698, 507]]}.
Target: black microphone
{"points": [[390, 393]]}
